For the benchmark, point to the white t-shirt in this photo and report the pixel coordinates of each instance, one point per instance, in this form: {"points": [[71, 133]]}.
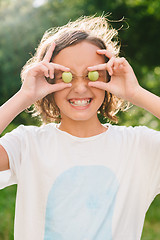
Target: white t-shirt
{"points": [[71, 188]]}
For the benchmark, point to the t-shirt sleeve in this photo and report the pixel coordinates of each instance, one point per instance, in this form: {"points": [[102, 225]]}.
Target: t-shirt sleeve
{"points": [[14, 144], [150, 148]]}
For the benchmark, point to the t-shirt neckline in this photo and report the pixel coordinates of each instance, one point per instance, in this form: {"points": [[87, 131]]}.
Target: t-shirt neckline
{"points": [[82, 139]]}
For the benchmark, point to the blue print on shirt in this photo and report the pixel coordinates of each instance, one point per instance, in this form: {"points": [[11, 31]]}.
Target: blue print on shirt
{"points": [[81, 204]]}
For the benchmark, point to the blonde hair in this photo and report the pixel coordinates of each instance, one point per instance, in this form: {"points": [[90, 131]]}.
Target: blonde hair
{"points": [[96, 30]]}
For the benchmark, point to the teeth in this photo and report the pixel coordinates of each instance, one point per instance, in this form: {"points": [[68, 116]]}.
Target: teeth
{"points": [[80, 102]]}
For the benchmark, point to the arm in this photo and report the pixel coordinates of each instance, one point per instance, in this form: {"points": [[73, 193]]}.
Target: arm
{"points": [[10, 109], [8, 112], [124, 84], [34, 88], [148, 101]]}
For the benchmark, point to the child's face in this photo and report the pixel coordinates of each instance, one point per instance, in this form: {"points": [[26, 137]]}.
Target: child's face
{"points": [[80, 102]]}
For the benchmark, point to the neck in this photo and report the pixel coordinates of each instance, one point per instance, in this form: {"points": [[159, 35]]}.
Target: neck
{"points": [[82, 129]]}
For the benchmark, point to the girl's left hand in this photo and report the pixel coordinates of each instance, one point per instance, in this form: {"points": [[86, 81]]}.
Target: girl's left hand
{"points": [[123, 83]]}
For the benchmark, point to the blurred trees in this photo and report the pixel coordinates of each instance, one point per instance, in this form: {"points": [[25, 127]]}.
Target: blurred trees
{"points": [[22, 24]]}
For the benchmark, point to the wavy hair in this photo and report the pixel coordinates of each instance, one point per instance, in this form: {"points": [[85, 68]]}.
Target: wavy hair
{"points": [[95, 30]]}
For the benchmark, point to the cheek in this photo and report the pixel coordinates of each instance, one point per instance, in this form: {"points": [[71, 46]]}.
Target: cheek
{"points": [[60, 96], [100, 94]]}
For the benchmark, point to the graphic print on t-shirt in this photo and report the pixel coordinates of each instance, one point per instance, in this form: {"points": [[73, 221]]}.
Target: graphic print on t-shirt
{"points": [[81, 204]]}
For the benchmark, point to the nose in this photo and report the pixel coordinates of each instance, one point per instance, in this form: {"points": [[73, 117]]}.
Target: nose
{"points": [[80, 84]]}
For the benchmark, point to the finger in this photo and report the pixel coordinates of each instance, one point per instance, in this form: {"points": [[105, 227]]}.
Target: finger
{"points": [[45, 71], [105, 52], [122, 62], [105, 66], [98, 84], [52, 66], [102, 66], [59, 86], [49, 52], [39, 69], [61, 67], [117, 63], [110, 65]]}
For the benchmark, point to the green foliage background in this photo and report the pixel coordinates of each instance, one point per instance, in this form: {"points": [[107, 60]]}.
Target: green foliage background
{"points": [[22, 24]]}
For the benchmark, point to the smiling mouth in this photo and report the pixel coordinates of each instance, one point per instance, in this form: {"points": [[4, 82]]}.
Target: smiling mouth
{"points": [[80, 102]]}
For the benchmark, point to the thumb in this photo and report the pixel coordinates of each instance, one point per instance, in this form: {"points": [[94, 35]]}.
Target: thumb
{"points": [[99, 84], [58, 86]]}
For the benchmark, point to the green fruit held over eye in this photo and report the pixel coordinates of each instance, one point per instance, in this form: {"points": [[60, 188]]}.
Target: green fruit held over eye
{"points": [[93, 75], [67, 77]]}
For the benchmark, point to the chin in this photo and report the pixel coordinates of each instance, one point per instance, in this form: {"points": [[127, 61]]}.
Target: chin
{"points": [[78, 117]]}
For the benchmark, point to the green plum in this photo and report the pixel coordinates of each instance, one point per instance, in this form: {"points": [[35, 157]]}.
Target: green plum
{"points": [[67, 77], [93, 75]]}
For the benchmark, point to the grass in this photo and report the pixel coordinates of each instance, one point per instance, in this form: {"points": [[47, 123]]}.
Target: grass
{"points": [[151, 229], [7, 209]]}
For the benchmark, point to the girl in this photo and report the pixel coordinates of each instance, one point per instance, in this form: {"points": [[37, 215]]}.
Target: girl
{"points": [[79, 179]]}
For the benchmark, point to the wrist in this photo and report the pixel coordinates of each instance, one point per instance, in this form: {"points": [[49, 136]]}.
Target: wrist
{"points": [[24, 99], [13, 107], [137, 97], [147, 101]]}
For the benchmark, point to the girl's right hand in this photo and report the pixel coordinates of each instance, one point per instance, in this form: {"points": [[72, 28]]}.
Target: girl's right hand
{"points": [[35, 85]]}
